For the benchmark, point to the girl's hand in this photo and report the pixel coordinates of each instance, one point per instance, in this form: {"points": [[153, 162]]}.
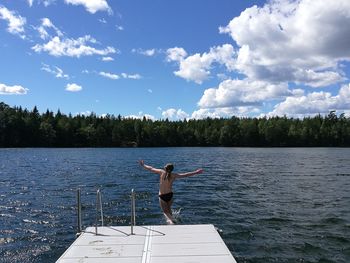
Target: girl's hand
{"points": [[199, 171]]}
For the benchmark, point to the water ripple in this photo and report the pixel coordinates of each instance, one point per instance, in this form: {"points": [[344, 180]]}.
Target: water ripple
{"points": [[273, 205]]}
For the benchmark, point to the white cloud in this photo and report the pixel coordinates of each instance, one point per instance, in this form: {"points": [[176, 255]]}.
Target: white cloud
{"points": [[119, 28], [227, 112], [222, 76], [107, 59], [131, 76], [30, 3], [55, 71], [115, 76], [72, 47], [85, 113], [236, 92], [140, 116], [205, 113], [314, 103], [293, 41], [103, 21], [147, 52], [92, 6], [176, 54], [197, 67], [173, 114], [73, 87], [47, 24], [109, 75], [12, 90], [15, 22], [279, 45], [46, 3], [317, 79]]}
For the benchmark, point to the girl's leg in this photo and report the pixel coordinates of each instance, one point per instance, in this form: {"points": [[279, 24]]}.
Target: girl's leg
{"points": [[166, 207]]}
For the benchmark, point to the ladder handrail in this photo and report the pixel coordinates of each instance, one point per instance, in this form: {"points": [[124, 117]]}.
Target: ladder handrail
{"points": [[79, 212], [98, 207], [133, 211]]}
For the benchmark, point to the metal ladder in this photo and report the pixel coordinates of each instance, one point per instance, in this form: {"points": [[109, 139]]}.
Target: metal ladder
{"points": [[99, 212]]}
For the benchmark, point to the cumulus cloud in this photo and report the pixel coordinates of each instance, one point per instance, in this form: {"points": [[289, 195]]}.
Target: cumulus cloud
{"points": [[72, 47], [173, 114], [119, 28], [47, 24], [92, 6], [84, 113], [284, 41], [73, 87], [236, 92], [147, 52], [314, 103], [317, 79], [116, 76], [109, 75], [55, 71], [197, 67], [15, 22], [227, 112], [293, 41], [140, 116], [131, 76], [107, 59], [207, 113], [12, 90], [48, 2], [280, 45], [176, 54]]}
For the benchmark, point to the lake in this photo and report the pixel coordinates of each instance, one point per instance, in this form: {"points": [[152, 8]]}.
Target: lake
{"points": [[272, 204]]}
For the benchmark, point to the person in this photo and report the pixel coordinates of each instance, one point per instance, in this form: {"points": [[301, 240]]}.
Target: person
{"points": [[166, 179]]}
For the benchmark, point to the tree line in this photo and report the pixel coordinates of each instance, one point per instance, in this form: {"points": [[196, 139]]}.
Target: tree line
{"points": [[28, 128]]}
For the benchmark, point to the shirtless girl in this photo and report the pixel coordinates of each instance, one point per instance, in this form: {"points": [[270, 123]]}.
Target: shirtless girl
{"points": [[166, 179]]}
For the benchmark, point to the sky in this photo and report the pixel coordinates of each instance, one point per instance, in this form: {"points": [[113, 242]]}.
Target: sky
{"points": [[176, 59]]}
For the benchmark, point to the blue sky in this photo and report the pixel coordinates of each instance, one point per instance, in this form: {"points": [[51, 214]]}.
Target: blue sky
{"points": [[176, 59]]}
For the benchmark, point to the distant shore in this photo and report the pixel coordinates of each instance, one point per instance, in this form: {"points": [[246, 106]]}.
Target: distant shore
{"points": [[28, 128]]}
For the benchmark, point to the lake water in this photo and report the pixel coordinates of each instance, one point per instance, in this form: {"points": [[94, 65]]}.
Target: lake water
{"points": [[272, 204]]}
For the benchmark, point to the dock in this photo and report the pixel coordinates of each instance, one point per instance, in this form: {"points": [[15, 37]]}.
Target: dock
{"points": [[149, 244]]}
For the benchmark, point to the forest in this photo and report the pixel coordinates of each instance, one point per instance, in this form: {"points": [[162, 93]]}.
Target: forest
{"points": [[28, 128]]}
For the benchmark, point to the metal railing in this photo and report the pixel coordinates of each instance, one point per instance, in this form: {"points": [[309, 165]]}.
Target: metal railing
{"points": [[79, 229], [133, 212], [98, 207], [99, 211]]}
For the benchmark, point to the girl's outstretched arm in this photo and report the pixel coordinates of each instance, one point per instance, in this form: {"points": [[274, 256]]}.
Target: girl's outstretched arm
{"points": [[183, 175], [150, 168]]}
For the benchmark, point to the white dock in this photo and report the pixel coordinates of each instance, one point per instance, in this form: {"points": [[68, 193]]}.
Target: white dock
{"points": [[156, 244]]}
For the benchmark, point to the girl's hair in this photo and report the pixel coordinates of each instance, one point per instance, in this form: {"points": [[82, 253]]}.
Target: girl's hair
{"points": [[168, 169]]}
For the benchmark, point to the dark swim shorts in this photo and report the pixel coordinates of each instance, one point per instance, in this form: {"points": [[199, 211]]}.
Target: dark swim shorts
{"points": [[166, 197]]}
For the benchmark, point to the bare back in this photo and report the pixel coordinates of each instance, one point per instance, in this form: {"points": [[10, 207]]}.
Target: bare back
{"points": [[166, 185]]}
